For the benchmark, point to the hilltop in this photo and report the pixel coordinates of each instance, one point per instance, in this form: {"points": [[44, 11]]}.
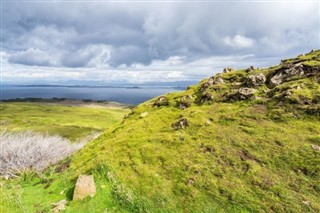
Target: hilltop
{"points": [[240, 141]]}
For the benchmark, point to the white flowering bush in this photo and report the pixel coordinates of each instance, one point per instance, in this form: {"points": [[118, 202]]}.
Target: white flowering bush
{"points": [[32, 151]]}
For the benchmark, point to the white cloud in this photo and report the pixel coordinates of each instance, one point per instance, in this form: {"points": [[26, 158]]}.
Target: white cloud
{"points": [[238, 41]]}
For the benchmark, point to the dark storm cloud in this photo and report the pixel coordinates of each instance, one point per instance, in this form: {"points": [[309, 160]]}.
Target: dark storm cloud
{"points": [[90, 34]]}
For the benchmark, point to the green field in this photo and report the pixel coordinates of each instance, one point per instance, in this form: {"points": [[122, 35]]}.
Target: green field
{"points": [[72, 122]]}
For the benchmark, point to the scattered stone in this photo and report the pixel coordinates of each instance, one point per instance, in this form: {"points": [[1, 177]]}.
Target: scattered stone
{"points": [[144, 114], [315, 147], [162, 101], [217, 79], [182, 123], [206, 96], [276, 80], [256, 80], [204, 86], [208, 123], [250, 69], [306, 202], [85, 186], [185, 102], [228, 69], [191, 181], [59, 206], [287, 94], [245, 93]]}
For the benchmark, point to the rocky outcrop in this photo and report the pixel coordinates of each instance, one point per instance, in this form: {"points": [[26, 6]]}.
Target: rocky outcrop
{"points": [[162, 101], [182, 123], [256, 80], [286, 73], [228, 69], [85, 186]]}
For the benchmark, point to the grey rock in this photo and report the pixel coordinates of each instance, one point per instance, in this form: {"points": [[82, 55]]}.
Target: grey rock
{"points": [[286, 74], [256, 80], [246, 93], [250, 69], [182, 123], [85, 186], [315, 147], [228, 69], [185, 102], [206, 96], [215, 80], [143, 115], [162, 101]]}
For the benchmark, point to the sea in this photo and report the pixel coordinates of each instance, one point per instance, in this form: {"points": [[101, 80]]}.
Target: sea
{"points": [[123, 94]]}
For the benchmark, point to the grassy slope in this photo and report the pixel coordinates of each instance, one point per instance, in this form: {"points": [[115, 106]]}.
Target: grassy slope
{"points": [[252, 156]]}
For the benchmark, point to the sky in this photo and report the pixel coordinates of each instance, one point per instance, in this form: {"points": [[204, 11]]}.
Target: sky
{"points": [[98, 42]]}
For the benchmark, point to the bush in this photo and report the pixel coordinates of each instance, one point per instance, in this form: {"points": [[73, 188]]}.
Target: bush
{"points": [[31, 151]]}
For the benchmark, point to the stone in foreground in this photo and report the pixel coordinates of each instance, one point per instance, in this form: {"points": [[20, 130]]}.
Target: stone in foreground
{"points": [[85, 186]]}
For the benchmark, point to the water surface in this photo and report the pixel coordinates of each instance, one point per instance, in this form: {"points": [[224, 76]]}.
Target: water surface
{"points": [[128, 95]]}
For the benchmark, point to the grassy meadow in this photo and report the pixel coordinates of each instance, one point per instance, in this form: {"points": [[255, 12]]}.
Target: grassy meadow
{"points": [[69, 121]]}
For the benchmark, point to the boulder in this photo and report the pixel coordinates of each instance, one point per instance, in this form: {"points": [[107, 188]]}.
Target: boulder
{"points": [[228, 69], [245, 93], [315, 147], [215, 80], [143, 115], [85, 186], [185, 102], [162, 101], [256, 80], [206, 96], [182, 123]]}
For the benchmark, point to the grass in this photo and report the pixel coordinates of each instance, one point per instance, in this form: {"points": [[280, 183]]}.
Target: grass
{"points": [[72, 122], [235, 156]]}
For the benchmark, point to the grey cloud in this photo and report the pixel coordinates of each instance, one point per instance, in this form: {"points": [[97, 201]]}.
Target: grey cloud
{"points": [[69, 34], [33, 57]]}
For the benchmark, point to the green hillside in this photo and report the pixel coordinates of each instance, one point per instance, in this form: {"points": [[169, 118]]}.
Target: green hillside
{"points": [[240, 141]]}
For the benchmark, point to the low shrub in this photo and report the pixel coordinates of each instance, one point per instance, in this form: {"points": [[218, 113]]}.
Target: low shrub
{"points": [[23, 151]]}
